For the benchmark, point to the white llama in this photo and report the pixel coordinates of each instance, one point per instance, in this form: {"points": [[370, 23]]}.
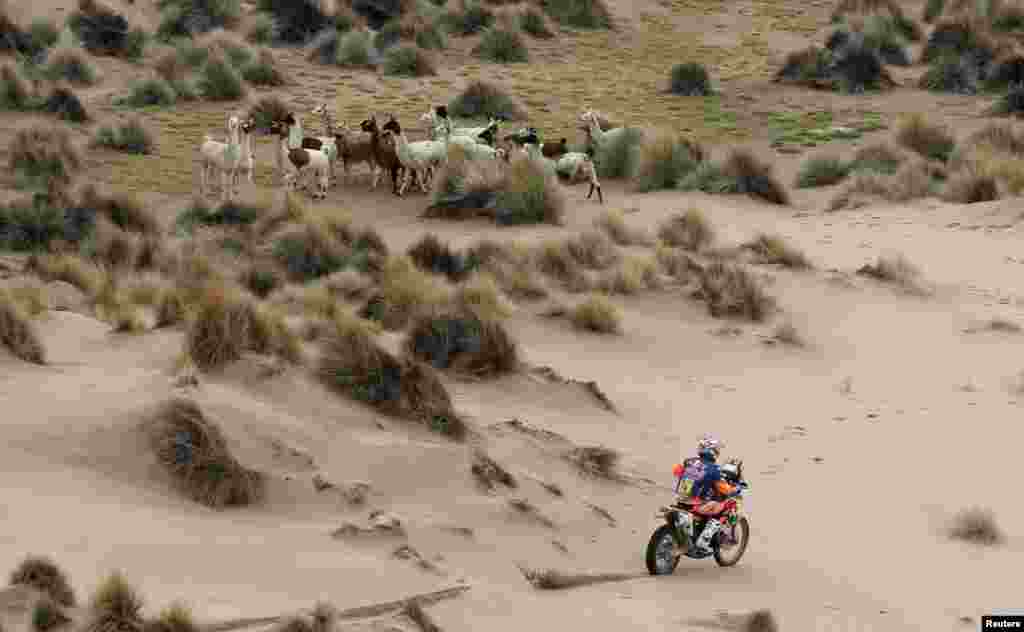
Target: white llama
{"points": [[224, 157], [420, 157]]}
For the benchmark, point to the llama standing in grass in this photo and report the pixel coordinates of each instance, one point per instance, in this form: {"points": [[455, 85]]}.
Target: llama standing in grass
{"points": [[224, 157], [384, 152], [351, 147], [597, 137], [571, 167], [299, 161], [247, 164], [440, 124], [419, 158]]}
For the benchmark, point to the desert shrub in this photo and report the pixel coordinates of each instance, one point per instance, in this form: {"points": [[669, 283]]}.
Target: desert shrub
{"points": [[886, 9], [532, 23], [193, 449], [230, 213], [310, 252], [597, 314], [430, 254], [808, 66], [614, 224], [481, 296], [632, 275], [123, 210], [404, 293], [1010, 103], [592, 249], [29, 43], [263, 71], [131, 137], [583, 14], [619, 156], [104, 32], [690, 80], [31, 225], [355, 48], [822, 171], [961, 37], [502, 46], [218, 331], [971, 186], [14, 91], [352, 364], [879, 33], [295, 22], [149, 92], [930, 140], [663, 162], [43, 156], [882, 158], [432, 37], [773, 249], [912, 180], [43, 574], [597, 461], [116, 606], [408, 61], [462, 341], [854, 67], [483, 100], [731, 291], [261, 30], [47, 615], [950, 74], [71, 65], [753, 177], [531, 196], [977, 526], [261, 280], [66, 105], [896, 270], [188, 18], [1006, 71], [174, 618], [218, 81], [266, 111], [932, 10], [473, 19], [269, 333]]}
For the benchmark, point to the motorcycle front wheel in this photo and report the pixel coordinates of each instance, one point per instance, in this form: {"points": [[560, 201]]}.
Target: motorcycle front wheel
{"points": [[662, 552], [730, 555]]}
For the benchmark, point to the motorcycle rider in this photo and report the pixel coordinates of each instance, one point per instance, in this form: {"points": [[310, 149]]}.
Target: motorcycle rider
{"points": [[707, 491]]}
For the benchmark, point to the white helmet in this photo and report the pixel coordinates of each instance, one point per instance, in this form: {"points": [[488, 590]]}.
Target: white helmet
{"points": [[709, 444]]}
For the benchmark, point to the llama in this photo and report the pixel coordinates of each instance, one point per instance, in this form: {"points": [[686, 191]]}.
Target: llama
{"points": [[420, 157], [572, 167], [225, 157], [247, 162], [595, 135], [302, 161], [555, 150], [384, 152], [439, 121]]}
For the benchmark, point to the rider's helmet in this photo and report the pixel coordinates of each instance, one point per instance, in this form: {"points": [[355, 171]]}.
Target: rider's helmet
{"points": [[731, 472], [709, 446]]}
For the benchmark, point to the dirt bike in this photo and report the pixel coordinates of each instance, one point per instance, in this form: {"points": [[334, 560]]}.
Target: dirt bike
{"points": [[678, 536]]}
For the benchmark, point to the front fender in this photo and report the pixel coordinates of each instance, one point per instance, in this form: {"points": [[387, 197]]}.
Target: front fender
{"points": [[671, 520]]}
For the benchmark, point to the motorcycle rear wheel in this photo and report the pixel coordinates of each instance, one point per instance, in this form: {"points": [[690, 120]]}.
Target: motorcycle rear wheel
{"points": [[662, 552], [730, 556]]}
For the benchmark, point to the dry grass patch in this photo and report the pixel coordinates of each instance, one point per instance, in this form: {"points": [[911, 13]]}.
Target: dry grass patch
{"points": [[423, 621], [787, 334], [531, 195], [193, 449], [404, 292], [930, 140], [43, 574], [971, 186], [631, 276], [913, 180], [175, 618], [597, 314], [218, 331], [481, 296], [47, 615], [977, 526], [690, 230], [773, 249], [613, 223], [895, 270], [760, 621], [489, 473], [17, 332], [72, 269], [116, 606], [551, 579], [269, 333], [352, 364], [732, 291], [597, 461], [525, 508], [1001, 325], [44, 156]]}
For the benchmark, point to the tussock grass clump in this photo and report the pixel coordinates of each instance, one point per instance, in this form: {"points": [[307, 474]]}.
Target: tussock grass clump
{"points": [[31, 225], [597, 461], [75, 270], [664, 161], [351, 363], [533, 23], [219, 81], [1011, 103], [690, 230], [472, 19], [632, 275], [130, 137], [43, 156], [502, 46], [66, 105], [463, 342], [962, 36], [581, 14], [193, 449], [481, 296], [153, 91], [951, 74], [14, 91], [47, 615], [43, 574], [309, 252], [261, 30], [408, 61], [977, 526], [971, 186], [690, 80], [263, 70], [175, 618], [105, 32], [913, 180], [232, 214], [884, 158], [261, 279], [218, 332], [597, 314], [122, 209], [613, 222], [295, 22], [619, 157], [822, 171], [531, 196], [731, 291], [464, 188], [31, 42], [592, 249], [69, 64], [930, 140], [483, 100], [269, 333], [551, 579], [404, 293], [885, 9], [896, 270], [116, 606], [355, 48], [760, 621], [1006, 71], [188, 18], [430, 254], [773, 249], [753, 177]]}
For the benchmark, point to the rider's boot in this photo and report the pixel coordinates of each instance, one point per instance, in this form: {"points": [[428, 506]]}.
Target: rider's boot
{"points": [[703, 545]]}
